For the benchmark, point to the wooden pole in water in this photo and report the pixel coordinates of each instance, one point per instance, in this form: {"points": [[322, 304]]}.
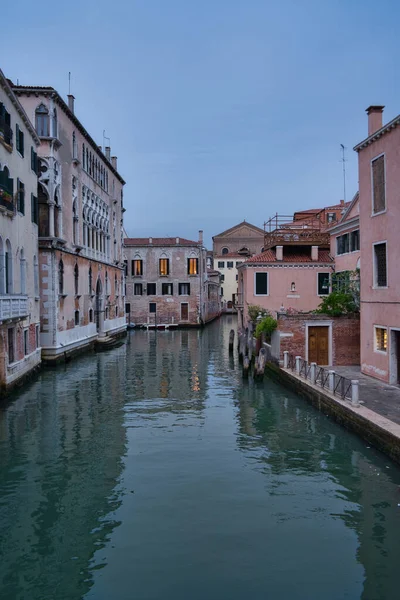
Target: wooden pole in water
{"points": [[260, 364], [246, 367], [231, 340]]}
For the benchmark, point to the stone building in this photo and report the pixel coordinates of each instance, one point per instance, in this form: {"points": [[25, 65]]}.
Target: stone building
{"points": [[230, 249], [80, 208], [167, 282], [19, 283]]}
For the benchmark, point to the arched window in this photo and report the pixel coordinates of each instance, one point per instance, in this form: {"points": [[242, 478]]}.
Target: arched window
{"points": [[107, 290], [90, 280], [54, 132], [116, 311], [61, 277], [76, 279], [22, 266], [90, 315], [225, 250], [42, 120], [83, 157], [2, 269], [75, 223], [36, 276], [77, 317], [116, 285], [107, 313], [9, 268]]}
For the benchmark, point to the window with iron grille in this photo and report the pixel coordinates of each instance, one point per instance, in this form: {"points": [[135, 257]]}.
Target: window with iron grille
{"points": [[378, 184], [151, 289], [380, 265], [381, 339], [229, 264], [221, 264], [341, 282], [137, 268], [138, 289]]}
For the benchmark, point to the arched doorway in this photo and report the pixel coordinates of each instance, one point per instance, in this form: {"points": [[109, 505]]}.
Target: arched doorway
{"points": [[99, 305]]}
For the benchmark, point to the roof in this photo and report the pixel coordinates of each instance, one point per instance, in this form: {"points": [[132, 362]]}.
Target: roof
{"points": [[244, 222], [5, 83], [166, 241], [375, 136], [349, 207], [298, 256], [231, 255], [20, 89]]}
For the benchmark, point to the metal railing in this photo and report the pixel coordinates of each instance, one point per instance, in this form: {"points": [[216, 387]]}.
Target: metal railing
{"points": [[327, 379]]}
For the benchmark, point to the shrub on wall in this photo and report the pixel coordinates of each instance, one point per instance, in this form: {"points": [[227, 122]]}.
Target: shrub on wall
{"points": [[267, 325], [338, 304], [254, 310]]}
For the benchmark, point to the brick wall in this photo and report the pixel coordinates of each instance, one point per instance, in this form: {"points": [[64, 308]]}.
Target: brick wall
{"points": [[345, 336]]}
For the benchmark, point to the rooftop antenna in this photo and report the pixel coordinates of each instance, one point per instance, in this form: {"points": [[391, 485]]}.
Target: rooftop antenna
{"points": [[344, 160], [69, 83], [105, 138]]}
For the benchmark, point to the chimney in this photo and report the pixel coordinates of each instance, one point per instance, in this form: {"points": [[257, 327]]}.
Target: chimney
{"points": [[108, 153], [71, 100], [279, 253], [374, 118], [342, 203], [314, 252], [114, 162], [201, 236], [177, 240], [150, 240], [100, 148]]}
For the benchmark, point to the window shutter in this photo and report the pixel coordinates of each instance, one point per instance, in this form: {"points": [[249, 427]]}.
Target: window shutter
{"points": [[197, 266], [21, 142], [17, 136]]}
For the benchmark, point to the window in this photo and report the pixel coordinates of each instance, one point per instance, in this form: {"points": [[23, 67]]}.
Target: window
{"points": [[193, 266], [341, 282], [164, 266], [19, 140], [76, 317], [167, 289], [5, 125], [106, 313], [90, 280], [225, 250], [184, 289], [127, 308], [74, 146], [116, 311], [222, 291], [42, 121], [34, 209], [343, 244], [237, 276], [151, 289], [261, 284], [184, 311], [331, 217], [20, 197], [239, 262], [381, 339], [61, 277], [138, 289], [90, 315], [137, 268], [76, 279], [222, 277], [36, 276], [378, 185], [323, 284], [22, 263], [8, 268], [152, 307], [34, 161], [126, 267], [354, 240], [380, 265], [54, 123], [26, 342], [221, 264], [37, 334], [11, 346], [229, 264], [83, 157]]}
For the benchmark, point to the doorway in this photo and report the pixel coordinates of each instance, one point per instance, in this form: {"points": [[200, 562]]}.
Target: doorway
{"points": [[394, 376], [98, 303], [184, 311], [318, 344]]}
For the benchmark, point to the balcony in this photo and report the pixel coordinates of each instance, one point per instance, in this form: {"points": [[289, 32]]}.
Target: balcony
{"points": [[6, 133], [13, 307], [281, 230]]}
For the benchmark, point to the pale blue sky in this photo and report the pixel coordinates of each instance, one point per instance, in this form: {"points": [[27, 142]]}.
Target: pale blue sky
{"points": [[218, 110]]}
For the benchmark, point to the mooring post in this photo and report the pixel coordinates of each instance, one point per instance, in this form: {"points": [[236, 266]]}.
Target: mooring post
{"points": [[313, 372], [286, 359], [262, 359], [298, 359], [231, 340], [246, 367], [355, 392], [331, 381]]}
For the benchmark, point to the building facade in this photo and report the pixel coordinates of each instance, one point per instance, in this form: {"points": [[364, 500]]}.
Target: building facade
{"points": [[379, 181], [168, 284], [230, 249], [80, 222], [345, 239], [19, 267]]}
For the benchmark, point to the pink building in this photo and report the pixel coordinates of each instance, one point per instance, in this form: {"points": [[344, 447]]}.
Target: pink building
{"points": [[379, 181], [345, 246]]}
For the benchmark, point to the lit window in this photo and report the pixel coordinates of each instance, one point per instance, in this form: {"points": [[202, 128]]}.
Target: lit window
{"points": [[193, 266], [164, 266], [137, 268], [381, 339]]}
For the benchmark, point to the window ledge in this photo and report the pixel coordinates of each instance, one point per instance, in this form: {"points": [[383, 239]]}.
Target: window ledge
{"points": [[37, 298], [78, 295], [384, 352], [62, 296], [193, 275], [380, 287], [376, 214]]}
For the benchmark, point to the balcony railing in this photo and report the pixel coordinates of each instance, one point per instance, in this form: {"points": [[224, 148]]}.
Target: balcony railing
{"points": [[6, 200], [6, 132], [13, 307], [281, 230]]}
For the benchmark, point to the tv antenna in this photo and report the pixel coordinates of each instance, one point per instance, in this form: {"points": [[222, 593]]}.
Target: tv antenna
{"points": [[105, 138], [344, 161]]}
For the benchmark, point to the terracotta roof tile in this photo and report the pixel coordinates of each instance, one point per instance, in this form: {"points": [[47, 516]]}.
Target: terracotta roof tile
{"points": [[297, 256], [167, 241]]}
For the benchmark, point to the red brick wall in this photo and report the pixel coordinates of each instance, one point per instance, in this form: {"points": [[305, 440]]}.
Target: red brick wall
{"points": [[345, 336]]}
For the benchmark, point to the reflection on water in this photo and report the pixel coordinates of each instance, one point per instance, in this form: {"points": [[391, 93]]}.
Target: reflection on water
{"points": [[153, 471]]}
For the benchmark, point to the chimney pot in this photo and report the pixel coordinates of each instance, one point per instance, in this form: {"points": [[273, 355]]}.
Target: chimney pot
{"points": [[201, 236], [177, 240], [108, 153], [279, 253], [314, 253], [114, 162], [71, 103], [150, 240], [374, 113]]}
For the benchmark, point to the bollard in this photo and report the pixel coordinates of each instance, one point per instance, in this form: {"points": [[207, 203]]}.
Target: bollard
{"points": [[286, 359], [313, 372], [331, 381], [246, 367], [231, 340], [355, 392], [260, 367], [298, 359]]}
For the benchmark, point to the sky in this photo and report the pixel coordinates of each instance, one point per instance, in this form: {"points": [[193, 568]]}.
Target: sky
{"points": [[218, 110]]}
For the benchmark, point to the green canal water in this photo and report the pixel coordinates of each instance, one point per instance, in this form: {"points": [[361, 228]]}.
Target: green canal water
{"points": [[153, 472]]}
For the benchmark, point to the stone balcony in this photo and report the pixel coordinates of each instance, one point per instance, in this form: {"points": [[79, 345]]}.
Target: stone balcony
{"points": [[13, 307]]}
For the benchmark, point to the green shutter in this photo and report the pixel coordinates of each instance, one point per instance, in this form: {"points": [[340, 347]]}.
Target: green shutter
{"points": [[17, 136], [21, 142]]}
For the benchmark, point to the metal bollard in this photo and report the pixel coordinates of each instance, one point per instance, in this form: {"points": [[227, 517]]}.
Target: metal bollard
{"points": [[331, 381], [298, 359], [286, 359], [313, 372], [355, 392]]}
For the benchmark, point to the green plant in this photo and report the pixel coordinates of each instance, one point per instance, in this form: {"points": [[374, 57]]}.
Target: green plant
{"points": [[267, 325], [254, 310], [338, 304]]}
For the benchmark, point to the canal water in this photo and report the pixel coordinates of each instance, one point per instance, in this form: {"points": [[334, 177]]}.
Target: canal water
{"points": [[154, 472]]}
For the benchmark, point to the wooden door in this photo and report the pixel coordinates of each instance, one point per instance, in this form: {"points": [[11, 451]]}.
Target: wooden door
{"points": [[184, 311], [318, 345]]}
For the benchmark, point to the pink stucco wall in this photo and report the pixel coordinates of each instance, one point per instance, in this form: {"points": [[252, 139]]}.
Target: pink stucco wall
{"points": [[380, 306]]}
